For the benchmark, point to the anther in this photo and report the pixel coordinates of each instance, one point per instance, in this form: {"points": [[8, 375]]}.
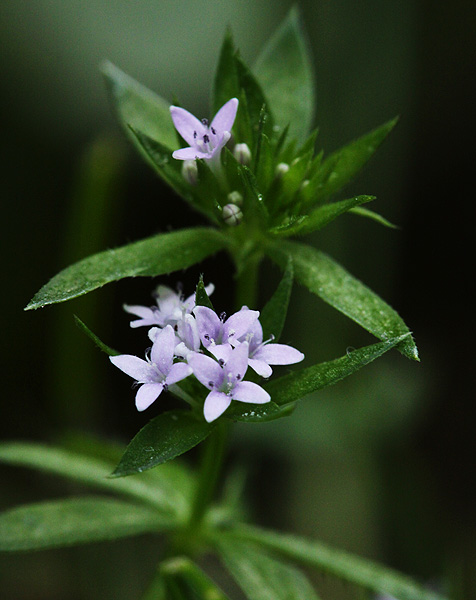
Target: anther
{"points": [[205, 122], [165, 387], [221, 362], [206, 139], [210, 384], [213, 131], [194, 135], [222, 316]]}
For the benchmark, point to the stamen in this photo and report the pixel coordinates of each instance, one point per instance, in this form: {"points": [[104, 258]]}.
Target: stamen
{"points": [[205, 122], [222, 316], [221, 362], [207, 337], [211, 384], [194, 135], [238, 376], [165, 386], [213, 131], [206, 139]]}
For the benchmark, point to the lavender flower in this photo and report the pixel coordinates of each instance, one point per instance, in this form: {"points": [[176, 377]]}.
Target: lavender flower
{"points": [[224, 379], [171, 307], [262, 354], [157, 372], [219, 330], [206, 141]]}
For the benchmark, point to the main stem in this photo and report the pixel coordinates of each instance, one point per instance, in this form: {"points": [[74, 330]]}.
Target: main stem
{"points": [[215, 447]]}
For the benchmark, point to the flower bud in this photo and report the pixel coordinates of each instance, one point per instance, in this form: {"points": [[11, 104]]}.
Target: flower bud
{"points": [[242, 154], [235, 198], [281, 169], [190, 171], [232, 214]]}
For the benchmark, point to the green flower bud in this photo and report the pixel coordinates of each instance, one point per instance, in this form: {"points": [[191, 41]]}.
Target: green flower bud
{"points": [[242, 154], [232, 215]]}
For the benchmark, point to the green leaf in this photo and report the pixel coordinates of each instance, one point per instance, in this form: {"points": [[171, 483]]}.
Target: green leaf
{"points": [[336, 286], [157, 255], [341, 166], [285, 73], [162, 439], [139, 107], [261, 576], [257, 413], [192, 582], [92, 336], [201, 296], [75, 521], [322, 216], [297, 384], [370, 214], [346, 566], [160, 490], [161, 158], [273, 315], [253, 204]]}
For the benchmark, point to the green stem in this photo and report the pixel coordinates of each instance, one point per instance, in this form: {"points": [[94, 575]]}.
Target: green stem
{"points": [[211, 462], [247, 282]]}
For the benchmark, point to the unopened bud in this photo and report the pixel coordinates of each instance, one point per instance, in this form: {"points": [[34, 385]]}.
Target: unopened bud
{"points": [[190, 171], [281, 169], [242, 154], [235, 198], [232, 214]]}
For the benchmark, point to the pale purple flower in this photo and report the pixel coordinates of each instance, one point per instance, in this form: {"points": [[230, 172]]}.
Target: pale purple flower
{"points": [[206, 141], [157, 372], [171, 307], [216, 330], [225, 380], [262, 354]]}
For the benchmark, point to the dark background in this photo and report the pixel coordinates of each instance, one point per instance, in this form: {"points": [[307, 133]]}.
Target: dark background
{"points": [[383, 463]]}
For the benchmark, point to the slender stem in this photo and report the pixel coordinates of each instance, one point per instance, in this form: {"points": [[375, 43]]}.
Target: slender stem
{"points": [[211, 462], [247, 282]]}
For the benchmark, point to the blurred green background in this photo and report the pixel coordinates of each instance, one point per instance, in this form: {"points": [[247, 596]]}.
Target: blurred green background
{"points": [[383, 463]]}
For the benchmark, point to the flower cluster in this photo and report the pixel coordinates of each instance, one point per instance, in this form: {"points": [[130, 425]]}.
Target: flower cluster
{"points": [[189, 339]]}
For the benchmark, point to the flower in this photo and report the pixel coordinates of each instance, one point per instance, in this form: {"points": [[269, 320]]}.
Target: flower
{"points": [[205, 140], [262, 354], [224, 379], [157, 372], [219, 330], [171, 307]]}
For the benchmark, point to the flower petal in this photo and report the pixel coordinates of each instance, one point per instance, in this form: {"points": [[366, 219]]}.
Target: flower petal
{"points": [[239, 324], [187, 124], [148, 316], [225, 117], [221, 351], [189, 154], [215, 405], [208, 325], [237, 362], [279, 354], [178, 372], [206, 370], [247, 391], [146, 394], [162, 352], [135, 367], [261, 367]]}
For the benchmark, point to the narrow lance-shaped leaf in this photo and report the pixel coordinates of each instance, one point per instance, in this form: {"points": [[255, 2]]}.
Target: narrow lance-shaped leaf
{"points": [[94, 338], [261, 576], [75, 521], [341, 166], [162, 439], [157, 255], [285, 73], [159, 491], [201, 296], [344, 565], [322, 216], [370, 214], [257, 413], [192, 582], [298, 384], [273, 315], [139, 107], [336, 286]]}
